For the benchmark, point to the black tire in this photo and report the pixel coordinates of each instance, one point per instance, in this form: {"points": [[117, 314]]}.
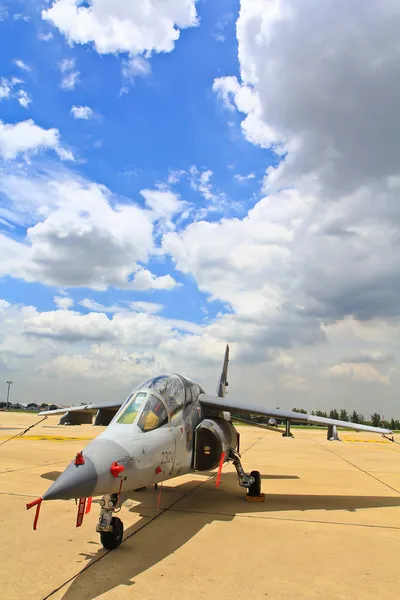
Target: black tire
{"points": [[255, 488], [112, 539]]}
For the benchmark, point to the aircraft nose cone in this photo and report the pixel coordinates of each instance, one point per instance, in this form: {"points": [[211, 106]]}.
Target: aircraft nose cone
{"points": [[91, 478], [75, 482]]}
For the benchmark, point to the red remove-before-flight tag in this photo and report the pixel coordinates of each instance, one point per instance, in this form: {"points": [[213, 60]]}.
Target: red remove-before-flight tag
{"points": [[38, 504], [221, 462], [81, 511]]}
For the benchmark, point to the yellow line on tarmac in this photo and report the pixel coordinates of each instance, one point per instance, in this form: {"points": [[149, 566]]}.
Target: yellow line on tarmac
{"points": [[346, 439]]}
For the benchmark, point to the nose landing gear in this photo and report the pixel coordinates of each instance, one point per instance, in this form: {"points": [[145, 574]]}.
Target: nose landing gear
{"points": [[111, 528], [112, 539]]}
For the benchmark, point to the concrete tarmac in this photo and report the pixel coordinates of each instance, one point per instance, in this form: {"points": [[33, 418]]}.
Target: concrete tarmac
{"points": [[329, 527]]}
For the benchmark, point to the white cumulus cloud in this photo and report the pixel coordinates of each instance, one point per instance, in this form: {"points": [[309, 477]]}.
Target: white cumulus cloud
{"points": [[242, 178], [70, 76], [135, 66], [27, 137], [63, 302], [22, 65], [82, 112], [45, 37], [147, 307], [5, 88], [78, 233], [24, 98], [145, 280], [123, 26], [163, 203]]}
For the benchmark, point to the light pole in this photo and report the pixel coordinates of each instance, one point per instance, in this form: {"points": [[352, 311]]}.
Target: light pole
{"points": [[8, 392]]}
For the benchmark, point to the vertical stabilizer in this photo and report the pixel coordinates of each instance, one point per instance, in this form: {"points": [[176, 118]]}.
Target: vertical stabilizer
{"points": [[222, 381]]}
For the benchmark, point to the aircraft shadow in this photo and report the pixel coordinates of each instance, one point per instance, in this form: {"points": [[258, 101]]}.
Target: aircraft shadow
{"points": [[175, 527], [212, 474], [51, 475]]}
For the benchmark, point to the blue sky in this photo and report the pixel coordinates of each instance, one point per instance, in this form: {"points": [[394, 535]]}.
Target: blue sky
{"points": [[176, 175], [166, 121]]}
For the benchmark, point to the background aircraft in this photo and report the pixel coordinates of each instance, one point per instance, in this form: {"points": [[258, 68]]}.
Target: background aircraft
{"points": [[168, 426]]}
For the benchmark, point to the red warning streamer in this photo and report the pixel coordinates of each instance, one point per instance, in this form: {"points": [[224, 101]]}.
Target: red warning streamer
{"points": [[81, 511], [38, 504], [88, 505], [221, 462]]}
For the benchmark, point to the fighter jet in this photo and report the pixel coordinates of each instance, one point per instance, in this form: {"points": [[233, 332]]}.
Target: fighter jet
{"points": [[168, 426]]}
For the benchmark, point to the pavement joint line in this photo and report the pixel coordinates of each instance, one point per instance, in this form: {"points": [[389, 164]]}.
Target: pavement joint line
{"points": [[357, 467], [267, 517], [86, 567], [33, 467], [19, 495]]}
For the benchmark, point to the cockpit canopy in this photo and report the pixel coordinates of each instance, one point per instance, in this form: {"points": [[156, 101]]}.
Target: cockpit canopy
{"points": [[170, 394], [170, 387]]}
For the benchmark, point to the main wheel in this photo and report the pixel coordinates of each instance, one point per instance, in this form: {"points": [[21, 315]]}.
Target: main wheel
{"points": [[112, 539], [255, 488]]}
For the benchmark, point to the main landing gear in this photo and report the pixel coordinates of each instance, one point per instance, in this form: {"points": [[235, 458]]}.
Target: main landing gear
{"points": [[287, 433], [252, 482], [111, 528]]}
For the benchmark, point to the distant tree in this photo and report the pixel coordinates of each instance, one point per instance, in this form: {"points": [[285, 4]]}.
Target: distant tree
{"points": [[344, 415], [32, 405], [355, 417], [53, 407], [320, 413], [299, 410], [3, 404], [43, 405], [376, 420], [334, 414], [313, 413]]}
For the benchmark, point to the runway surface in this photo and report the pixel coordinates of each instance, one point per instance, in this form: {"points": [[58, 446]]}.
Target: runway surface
{"points": [[329, 527]]}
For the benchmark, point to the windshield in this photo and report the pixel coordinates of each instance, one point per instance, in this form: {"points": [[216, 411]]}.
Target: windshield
{"points": [[154, 415], [132, 408]]}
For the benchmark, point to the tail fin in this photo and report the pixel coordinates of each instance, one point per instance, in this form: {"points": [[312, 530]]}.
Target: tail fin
{"points": [[222, 381]]}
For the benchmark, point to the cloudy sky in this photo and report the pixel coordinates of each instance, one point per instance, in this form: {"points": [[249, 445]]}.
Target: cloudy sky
{"points": [[176, 175]]}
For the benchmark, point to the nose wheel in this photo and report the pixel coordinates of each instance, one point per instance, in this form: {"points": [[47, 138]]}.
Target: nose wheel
{"points": [[111, 528], [112, 539]]}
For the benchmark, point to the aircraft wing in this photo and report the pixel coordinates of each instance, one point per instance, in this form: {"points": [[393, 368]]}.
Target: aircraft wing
{"points": [[82, 408], [83, 413], [240, 406]]}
